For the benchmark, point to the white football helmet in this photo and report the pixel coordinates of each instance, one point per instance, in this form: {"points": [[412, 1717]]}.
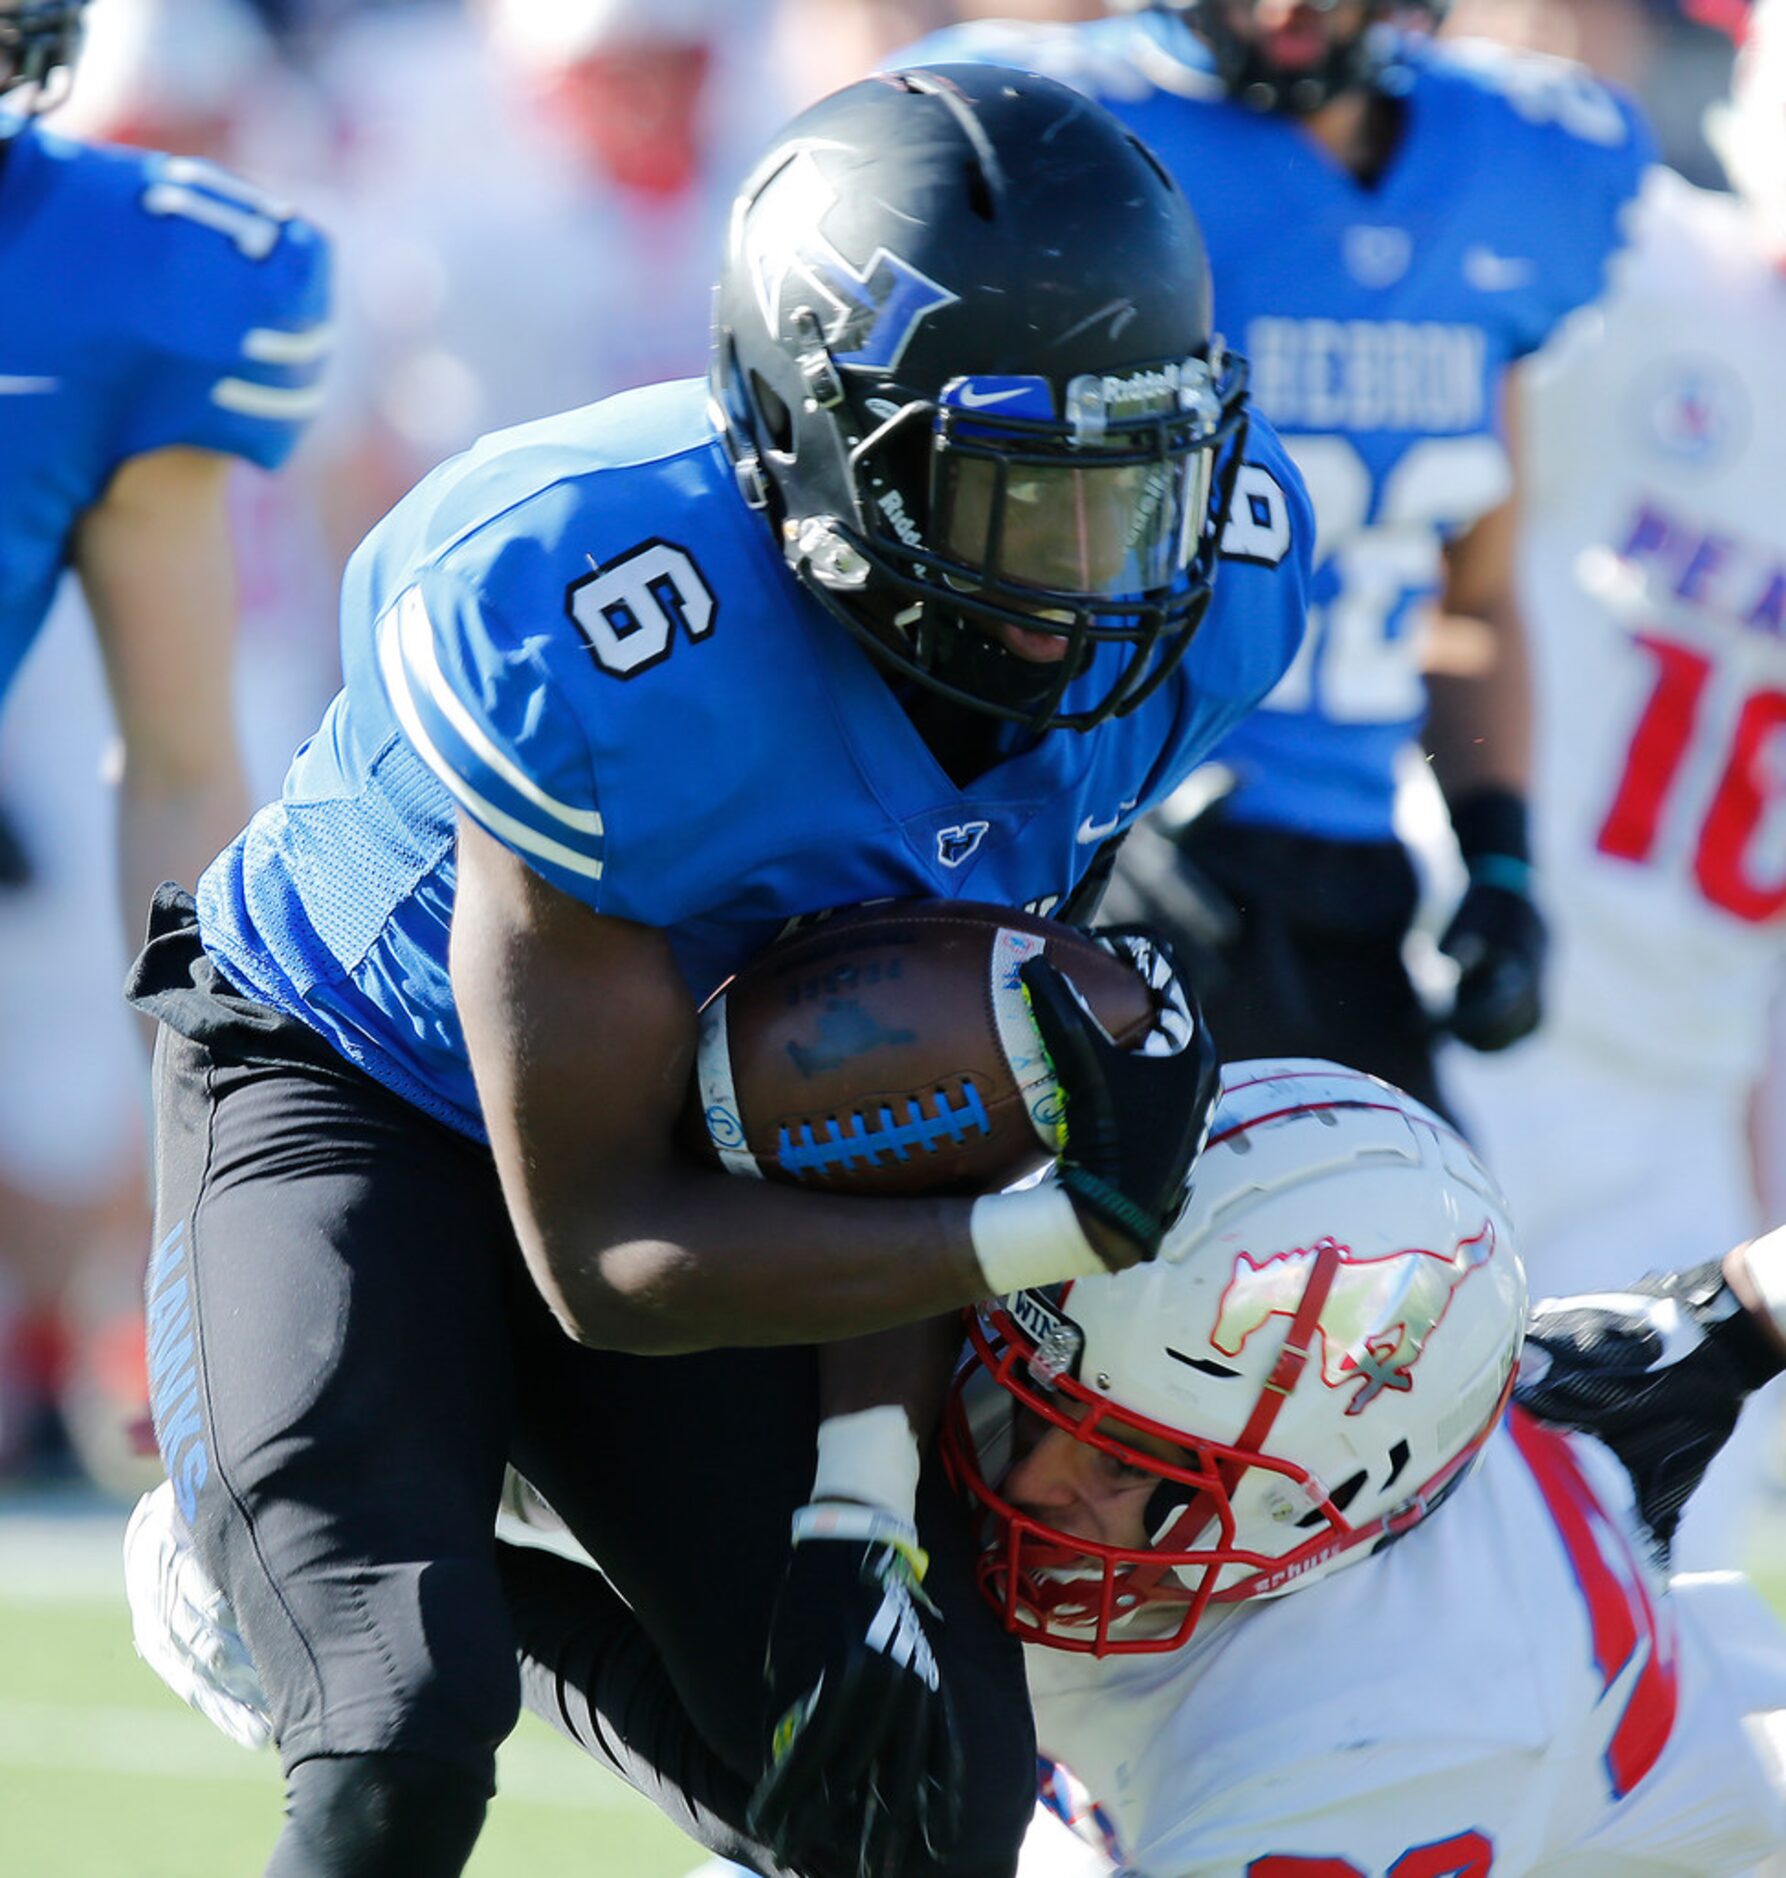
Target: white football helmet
{"points": [[1328, 1336]]}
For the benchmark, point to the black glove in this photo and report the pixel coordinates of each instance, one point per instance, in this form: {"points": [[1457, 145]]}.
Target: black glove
{"points": [[1135, 1118], [1659, 1373], [861, 1741], [1497, 935]]}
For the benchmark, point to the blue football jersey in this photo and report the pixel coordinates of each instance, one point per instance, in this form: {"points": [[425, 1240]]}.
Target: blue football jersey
{"points": [[578, 635], [1380, 321], [145, 301]]}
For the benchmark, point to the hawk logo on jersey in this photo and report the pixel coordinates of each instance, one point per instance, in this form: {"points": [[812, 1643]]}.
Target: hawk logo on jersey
{"points": [[956, 843], [1377, 1318], [1377, 257], [875, 309]]}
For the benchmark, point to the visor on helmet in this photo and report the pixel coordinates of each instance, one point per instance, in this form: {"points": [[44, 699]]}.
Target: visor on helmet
{"points": [[1110, 508], [1104, 533], [1091, 514]]}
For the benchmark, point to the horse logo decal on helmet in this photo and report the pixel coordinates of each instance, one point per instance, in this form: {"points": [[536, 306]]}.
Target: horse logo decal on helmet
{"points": [[1375, 1320]]}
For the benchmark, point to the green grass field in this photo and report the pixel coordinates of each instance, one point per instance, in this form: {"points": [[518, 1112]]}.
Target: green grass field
{"points": [[104, 1775]]}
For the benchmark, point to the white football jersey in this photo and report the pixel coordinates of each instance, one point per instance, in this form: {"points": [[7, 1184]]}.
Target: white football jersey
{"points": [[1653, 576], [1502, 1691]]}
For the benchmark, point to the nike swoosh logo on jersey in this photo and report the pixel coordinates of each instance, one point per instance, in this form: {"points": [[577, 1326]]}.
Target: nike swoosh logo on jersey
{"points": [[978, 400], [1489, 272], [1090, 831], [14, 385]]}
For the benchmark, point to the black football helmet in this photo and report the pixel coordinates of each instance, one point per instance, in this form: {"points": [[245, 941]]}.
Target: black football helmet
{"points": [[38, 39], [963, 360], [1363, 58]]}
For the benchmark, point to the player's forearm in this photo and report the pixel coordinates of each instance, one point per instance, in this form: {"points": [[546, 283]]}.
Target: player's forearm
{"points": [[1479, 679], [697, 1260], [1479, 723], [908, 1368], [171, 826]]}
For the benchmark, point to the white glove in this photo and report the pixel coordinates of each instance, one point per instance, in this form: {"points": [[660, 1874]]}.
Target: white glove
{"points": [[184, 1627]]}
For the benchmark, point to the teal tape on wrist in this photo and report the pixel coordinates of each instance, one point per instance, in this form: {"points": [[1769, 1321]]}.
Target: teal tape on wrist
{"points": [[1502, 870]]}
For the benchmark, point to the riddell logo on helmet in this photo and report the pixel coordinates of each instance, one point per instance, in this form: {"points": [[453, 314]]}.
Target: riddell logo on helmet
{"points": [[892, 505], [1148, 390], [1376, 1319]]}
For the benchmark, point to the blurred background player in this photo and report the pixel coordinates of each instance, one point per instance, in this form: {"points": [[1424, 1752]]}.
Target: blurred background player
{"points": [[561, 253], [1653, 572], [1392, 227], [1675, 59], [161, 321]]}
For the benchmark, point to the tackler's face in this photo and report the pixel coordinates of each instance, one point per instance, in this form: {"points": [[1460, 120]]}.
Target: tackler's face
{"points": [[1082, 1491]]}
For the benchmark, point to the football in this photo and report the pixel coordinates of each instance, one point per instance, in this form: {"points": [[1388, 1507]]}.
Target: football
{"points": [[891, 1050]]}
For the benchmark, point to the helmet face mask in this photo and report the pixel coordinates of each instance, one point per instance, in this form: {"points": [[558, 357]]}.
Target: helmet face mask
{"points": [[995, 441], [1072, 1592], [1296, 1399], [38, 40]]}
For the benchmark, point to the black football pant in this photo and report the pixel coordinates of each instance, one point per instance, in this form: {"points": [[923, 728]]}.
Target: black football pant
{"points": [[346, 1347]]}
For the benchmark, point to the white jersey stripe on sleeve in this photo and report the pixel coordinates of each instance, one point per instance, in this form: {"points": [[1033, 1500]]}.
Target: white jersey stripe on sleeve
{"points": [[275, 345], [416, 632], [518, 834], [248, 399]]}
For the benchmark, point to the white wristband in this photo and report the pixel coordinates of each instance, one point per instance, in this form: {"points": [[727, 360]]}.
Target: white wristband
{"points": [[871, 1455], [1766, 1260], [1031, 1237]]}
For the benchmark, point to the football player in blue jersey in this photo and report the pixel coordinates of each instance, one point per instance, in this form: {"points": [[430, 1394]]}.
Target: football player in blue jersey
{"points": [[918, 598], [158, 321], [1392, 225]]}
